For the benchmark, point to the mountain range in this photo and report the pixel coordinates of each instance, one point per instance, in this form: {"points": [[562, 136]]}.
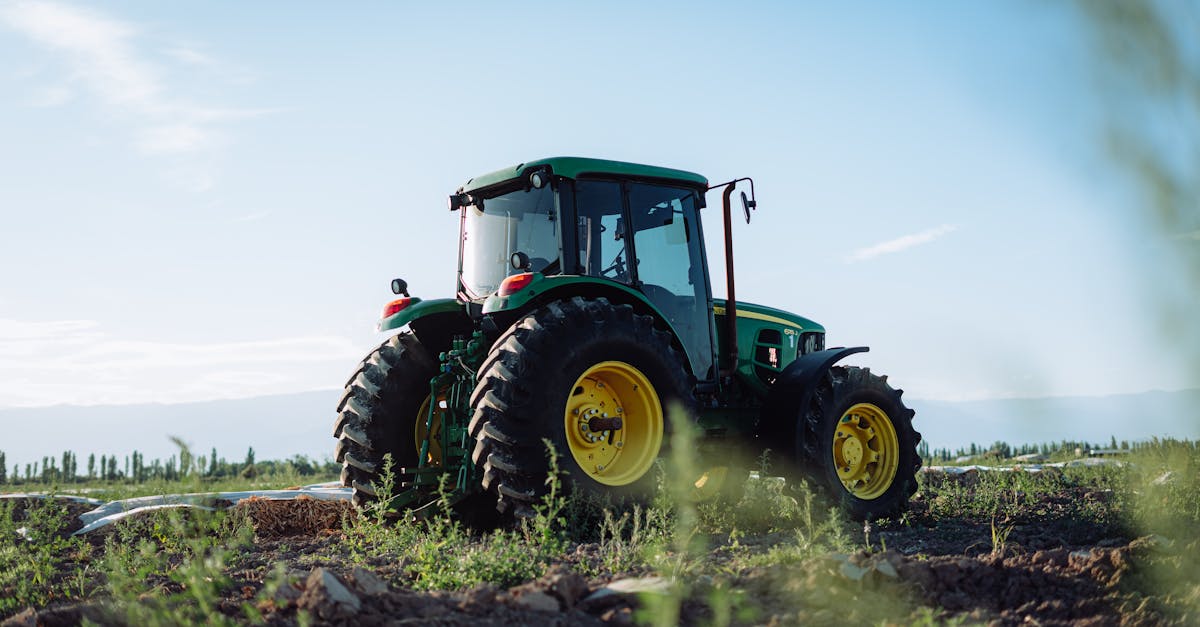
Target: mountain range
{"points": [[280, 426]]}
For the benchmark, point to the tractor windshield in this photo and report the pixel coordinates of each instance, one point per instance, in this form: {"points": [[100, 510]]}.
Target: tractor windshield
{"points": [[494, 228]]}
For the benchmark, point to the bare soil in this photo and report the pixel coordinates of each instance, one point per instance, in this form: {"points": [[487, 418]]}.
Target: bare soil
{"points": [[1051, 566]]}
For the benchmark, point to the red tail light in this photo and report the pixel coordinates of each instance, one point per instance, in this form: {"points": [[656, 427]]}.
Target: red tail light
{"points": [[515, 283], [395, 307]]}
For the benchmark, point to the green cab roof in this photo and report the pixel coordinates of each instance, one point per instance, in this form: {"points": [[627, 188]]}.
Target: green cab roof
{"points": [[574, 167]]}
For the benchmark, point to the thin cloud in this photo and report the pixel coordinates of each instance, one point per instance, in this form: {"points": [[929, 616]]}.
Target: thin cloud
{"points": [[103, 55], [48, 97], [191, 56], [77, 362], [13, 331], [900, 243], [251, 217], [99, 51]]}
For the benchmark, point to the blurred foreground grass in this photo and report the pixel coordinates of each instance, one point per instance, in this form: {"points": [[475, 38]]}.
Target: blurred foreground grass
{"points": [[769, 552]]}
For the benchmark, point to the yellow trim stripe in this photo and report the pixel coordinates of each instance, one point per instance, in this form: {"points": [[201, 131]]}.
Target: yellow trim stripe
{"points": [[720, 311]]}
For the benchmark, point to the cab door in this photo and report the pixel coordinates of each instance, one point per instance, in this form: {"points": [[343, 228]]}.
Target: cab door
{"points": [[669, 266]]}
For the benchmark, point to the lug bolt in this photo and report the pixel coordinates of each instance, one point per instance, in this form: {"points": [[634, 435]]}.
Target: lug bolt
{"points": [[619, 444], [600, 468], [575, 411]]}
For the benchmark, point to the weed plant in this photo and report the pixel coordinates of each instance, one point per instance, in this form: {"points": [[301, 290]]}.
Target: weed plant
{"points": [[1163, 504], [39, 561], [170, 568], [440, 553]]}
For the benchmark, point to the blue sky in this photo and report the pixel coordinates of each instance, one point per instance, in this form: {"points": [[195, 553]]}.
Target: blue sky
{"points": [[207, 202]]}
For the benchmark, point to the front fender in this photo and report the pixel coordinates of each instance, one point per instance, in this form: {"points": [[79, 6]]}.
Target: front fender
{"points": [[792, 393]]}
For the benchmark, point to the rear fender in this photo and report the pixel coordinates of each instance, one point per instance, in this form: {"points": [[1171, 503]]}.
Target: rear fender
{"points": [[544, 289], [792, 393]]}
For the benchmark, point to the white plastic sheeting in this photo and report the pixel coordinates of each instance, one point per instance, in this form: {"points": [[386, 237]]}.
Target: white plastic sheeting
{"points": [[109, 512], [1074, 463], [107, 520], [42, 495]]}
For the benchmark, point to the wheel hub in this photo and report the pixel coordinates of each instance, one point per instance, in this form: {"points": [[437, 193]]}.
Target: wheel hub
{"points": [[604, 424], [866, 451], [613, 423]]}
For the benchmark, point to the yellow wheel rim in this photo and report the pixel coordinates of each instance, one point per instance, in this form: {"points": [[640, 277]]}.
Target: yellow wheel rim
{"points": [[614, 423], [434, 456], [866, 451]]}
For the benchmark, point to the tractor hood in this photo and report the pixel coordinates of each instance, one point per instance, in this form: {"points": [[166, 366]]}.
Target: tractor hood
{"points": [[768, 314]]}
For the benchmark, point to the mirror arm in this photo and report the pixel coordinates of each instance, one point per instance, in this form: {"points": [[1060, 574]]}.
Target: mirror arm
{"points": [[730, 297]]}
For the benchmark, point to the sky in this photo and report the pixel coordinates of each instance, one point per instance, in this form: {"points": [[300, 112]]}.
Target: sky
{"points": [[204, 201]]}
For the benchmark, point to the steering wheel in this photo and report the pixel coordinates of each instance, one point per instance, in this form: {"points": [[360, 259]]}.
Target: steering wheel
{"points": [[618, 269]]}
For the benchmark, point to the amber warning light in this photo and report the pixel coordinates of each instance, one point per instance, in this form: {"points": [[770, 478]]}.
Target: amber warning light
{"points": [[515, 283], [395, 307]]}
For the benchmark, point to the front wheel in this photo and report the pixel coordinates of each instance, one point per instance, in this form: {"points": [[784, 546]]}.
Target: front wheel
{"points": [[861, 437]]}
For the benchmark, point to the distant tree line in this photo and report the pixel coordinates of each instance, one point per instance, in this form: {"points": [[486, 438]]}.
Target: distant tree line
{"points": [[134, 468], [1002, 450]]}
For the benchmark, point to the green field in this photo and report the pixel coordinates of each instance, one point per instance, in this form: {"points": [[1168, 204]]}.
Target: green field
{"points": [[1115, 543]]}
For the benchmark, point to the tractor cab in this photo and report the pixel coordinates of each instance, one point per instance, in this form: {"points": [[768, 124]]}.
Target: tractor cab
{"points": [[621, 227]]}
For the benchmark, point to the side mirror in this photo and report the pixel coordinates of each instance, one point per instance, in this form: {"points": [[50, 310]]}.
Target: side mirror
{"points": [[747, 205], [519, 261], [400, 287]]}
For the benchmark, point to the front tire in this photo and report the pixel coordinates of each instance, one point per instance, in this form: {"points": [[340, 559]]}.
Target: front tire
{"points": [[378, 413], [593, 378], [860, 436]]}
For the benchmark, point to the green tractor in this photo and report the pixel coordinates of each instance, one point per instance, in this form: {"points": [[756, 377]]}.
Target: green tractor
{"points": [[584, 311]]}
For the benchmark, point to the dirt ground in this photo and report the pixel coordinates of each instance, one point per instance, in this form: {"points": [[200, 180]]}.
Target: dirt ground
{"points": [[1049, 569]]}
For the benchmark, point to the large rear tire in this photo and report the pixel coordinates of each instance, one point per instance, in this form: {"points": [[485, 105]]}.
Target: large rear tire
{"points": [[596, 380], [379, 410], [860, 436]]}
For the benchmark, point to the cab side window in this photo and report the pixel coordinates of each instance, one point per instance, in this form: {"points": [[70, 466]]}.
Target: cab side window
{"points": [[665, 238], [601, 231]]}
